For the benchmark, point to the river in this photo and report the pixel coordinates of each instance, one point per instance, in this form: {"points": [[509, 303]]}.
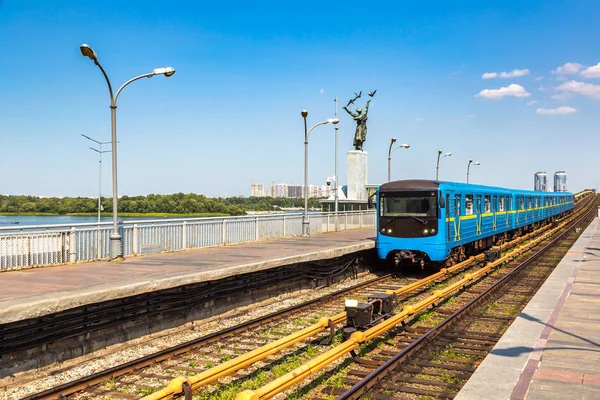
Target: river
{"points": [[22, 220]]}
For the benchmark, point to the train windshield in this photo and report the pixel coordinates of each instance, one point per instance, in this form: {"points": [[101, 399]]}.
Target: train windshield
{"points": [[409, 204]]}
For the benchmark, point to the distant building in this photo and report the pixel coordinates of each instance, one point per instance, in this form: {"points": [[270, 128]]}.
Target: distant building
{"points": [[560, 181], [291, 190], [256, 189], [295, 191], [540, 181]]}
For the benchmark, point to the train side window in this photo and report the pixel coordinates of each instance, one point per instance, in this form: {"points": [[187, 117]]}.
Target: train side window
{"points": [[478, 204], [521, 203], [469, 204], [494, 203], [501, 204], [529, 203], [487, 206], [456, 205]]}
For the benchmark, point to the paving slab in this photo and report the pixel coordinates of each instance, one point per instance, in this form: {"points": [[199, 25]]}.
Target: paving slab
{"points": [[36, 292], [552, 350]]}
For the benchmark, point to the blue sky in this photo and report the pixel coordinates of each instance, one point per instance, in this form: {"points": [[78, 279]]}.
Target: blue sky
{"points": [[245, 70]]}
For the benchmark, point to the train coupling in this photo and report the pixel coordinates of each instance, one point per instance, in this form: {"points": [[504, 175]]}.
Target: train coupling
{"points": [[361, 316]]}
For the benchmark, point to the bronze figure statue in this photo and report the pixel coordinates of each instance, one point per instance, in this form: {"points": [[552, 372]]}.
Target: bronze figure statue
{"points": [[360, 117]]}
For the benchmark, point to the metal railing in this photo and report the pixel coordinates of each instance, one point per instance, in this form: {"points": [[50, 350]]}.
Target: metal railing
{"points": [[42, 245]]}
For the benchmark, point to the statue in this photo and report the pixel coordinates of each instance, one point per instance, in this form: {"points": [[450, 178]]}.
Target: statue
{"points": [[360, 117]]}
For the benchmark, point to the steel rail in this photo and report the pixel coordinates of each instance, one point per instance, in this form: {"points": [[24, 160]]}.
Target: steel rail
{"points": [[80, 384], [372, 378], [119, 370], [357, 338]]}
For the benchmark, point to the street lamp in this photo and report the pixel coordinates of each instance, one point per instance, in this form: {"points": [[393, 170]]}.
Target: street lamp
{"points": [[437, 168], [390, 151], [469, 166], [335, 186], [99, 151], [305, 221], [116, 248]]}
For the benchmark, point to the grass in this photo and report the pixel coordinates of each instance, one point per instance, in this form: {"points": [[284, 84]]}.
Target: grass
{"points": [[424, 316]]}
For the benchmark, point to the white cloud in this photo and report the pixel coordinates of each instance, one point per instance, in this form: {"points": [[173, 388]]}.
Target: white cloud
{"points": [[568, 68], [591, 72], [558, 110], [585, 89], [561, 96], [510, 90], [532, 102], [543, 89], [539, 78], [512, 74], [322, 91]]}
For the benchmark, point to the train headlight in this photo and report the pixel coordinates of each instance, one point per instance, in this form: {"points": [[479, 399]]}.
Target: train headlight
{"points": [[389, 230], [432, 231], [426, 231], [382, 230]]}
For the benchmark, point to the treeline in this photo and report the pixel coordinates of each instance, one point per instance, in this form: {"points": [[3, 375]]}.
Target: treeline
{"points": [[177, 203]]}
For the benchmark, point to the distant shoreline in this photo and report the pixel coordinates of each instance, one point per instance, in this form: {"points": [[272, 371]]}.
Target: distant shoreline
{"points": [[160, 215]]}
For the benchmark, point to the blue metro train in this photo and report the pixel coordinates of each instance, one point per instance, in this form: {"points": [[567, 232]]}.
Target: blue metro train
{"points": [[427, 222]]}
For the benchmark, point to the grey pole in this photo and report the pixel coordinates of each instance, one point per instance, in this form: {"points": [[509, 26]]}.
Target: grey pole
{"points": [[400, 146], [305, 221], [469, 166], [99, 151], [437, 167], [335, 187], [390, 159], [116, 247]]}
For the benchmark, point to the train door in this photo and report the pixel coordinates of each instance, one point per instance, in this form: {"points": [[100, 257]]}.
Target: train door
{"points": [[449, 215], [457, 213]]}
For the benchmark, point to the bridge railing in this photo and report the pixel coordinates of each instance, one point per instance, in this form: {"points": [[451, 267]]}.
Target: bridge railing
{"points": [[43, 245]]}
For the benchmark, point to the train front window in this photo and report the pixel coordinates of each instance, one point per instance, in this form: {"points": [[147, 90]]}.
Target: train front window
{"points": [[409, 205]]}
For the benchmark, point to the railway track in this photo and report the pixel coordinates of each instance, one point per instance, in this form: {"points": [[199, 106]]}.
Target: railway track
{"points": [[144, 376], [439, 362]]}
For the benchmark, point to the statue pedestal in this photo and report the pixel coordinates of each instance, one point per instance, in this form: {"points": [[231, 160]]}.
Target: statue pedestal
{"points": [[357, 175]]}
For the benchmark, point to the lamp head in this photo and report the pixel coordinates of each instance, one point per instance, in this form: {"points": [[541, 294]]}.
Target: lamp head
{"points": [[440, 151], [476, 163], [334, 121], [304, 113], [393, 140], [470, 161], [328, 181], [406, 146], [447, 154], [168, 71], [87, 51]]}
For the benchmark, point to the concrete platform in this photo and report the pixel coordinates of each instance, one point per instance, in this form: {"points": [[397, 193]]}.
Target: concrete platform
{"points": [[41, 291], [552, 350]]}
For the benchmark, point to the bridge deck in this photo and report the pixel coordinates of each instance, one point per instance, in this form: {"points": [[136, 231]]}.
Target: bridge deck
{"points": [[552, 350], [41, 291]]}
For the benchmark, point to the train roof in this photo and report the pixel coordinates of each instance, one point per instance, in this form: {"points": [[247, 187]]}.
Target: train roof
{"points": [[424, 185]]}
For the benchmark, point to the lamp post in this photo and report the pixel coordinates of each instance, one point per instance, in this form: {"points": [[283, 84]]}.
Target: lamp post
{"points": [[437, 167], [305, 221], [99, 151], [116, 248], [390, 151], [469, 166], [335, 185]]}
